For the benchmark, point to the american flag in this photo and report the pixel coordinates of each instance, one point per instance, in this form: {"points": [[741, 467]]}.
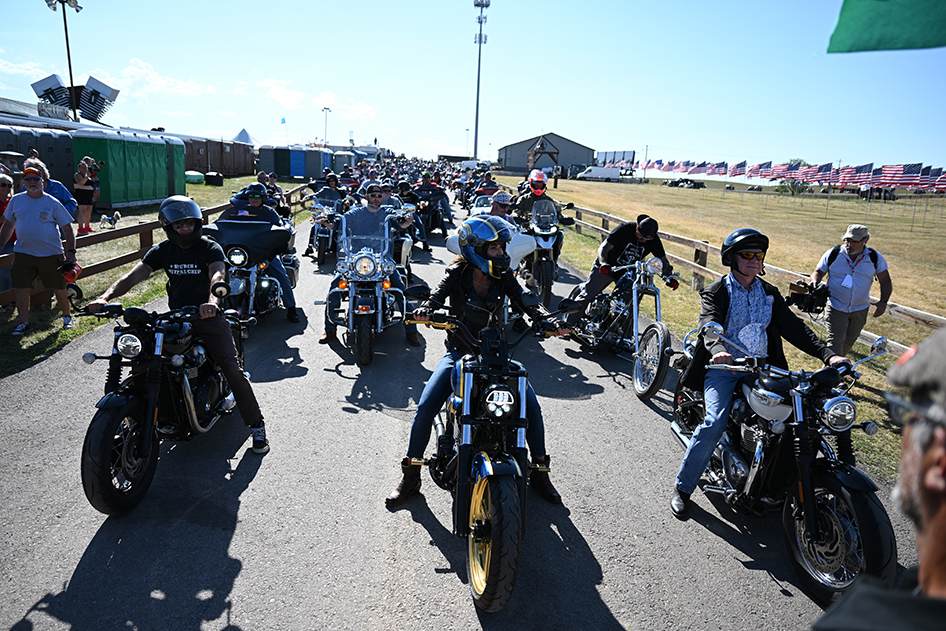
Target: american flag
{"points": [[637, 165], [718, 168], [792, 171], [760, 170], [658, 164], [683, 166], [934, 175], [846, 175], [925, 177], [877, 177], [940, 178], [778, 171], [824, 172], [808, 173], [909, 175], [737, 169], [862, 174], [700, 168], [668, 166]]}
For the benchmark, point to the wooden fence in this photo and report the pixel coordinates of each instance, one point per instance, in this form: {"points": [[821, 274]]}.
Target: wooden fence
{"points": [[42, 298]]}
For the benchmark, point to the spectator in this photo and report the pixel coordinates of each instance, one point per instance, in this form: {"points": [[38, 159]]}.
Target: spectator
{"points": [[919, 603], [276, 189], [84, 189], [38, 250], [6, 192], [53, 187]]}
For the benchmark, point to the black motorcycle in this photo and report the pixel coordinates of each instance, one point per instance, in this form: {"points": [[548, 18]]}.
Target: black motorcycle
{"points": [[428, 209], [249, 247], [775, 457], [481, 455], [173, 391], [325, 215], [611, 321]]}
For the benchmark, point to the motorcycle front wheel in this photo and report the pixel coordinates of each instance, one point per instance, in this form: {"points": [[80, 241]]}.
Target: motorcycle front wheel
{"points": [[856, 538], [115, 474], [651, 362], [364, 339], [544, 272], [321, 247], [493, 542]]}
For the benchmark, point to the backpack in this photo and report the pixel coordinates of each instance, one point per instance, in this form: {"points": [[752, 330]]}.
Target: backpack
{"points": [[833, 255]]}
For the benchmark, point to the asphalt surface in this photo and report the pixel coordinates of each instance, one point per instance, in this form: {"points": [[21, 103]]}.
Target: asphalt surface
{"points": [[301, 539]]}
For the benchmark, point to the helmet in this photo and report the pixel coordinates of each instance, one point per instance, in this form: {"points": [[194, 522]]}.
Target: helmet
{"points": [[174, 209], [535, 179], [475, 236], [404, 184], [742, 239], [256, 188], [331, 176]]}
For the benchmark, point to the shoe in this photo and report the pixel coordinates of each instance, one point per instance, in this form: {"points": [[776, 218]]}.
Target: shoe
{"points": [[21, 328], [308, 251], [539, 480], [327, 336], [67, 322], [260, 444], [413, 338], [680, 504], [426, 247], [292, 315], [409, 484]]}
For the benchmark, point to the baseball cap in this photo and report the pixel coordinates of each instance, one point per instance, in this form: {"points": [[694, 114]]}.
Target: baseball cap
{"points": [[502, 197], [857, 232], [273, 174], [32, 171], [647, 225], [922, 369]]}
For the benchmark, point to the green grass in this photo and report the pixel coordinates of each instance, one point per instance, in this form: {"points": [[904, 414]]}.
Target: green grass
{"points": [[799, 234]]}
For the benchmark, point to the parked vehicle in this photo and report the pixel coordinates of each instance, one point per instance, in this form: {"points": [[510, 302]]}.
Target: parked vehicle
{"points": [[774, 457], [612, 321], [602, 174], [481, 455], [174, 391]]}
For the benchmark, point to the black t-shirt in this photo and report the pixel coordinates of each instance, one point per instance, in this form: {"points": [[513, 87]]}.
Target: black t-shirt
{"points": [[188, 270], [627, 249]]}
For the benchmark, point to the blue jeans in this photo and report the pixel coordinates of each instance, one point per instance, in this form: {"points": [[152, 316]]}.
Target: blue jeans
{"points": [[435, 395], [419, 229], [445, 206], [278, 271], [334, 303], [718, 389]]}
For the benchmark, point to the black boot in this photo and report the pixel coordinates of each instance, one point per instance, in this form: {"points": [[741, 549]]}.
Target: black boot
{"points": [[409, 485], [539, 480], [680, 504]]}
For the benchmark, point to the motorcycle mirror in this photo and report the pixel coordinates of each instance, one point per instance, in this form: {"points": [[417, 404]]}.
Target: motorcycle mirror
{"points": [[530, 300], [220, 290], [569, 206], [879, 346], [712, 331]]}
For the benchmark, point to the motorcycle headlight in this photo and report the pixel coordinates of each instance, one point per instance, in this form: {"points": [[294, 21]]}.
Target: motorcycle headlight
{"points": [[388, 268], [128, 345], [365, 266], [237, 257], [500, 402], [654, 265], [839, 413]]}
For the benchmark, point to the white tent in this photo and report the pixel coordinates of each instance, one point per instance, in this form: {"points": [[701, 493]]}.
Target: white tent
{"points": [[244, 136]]}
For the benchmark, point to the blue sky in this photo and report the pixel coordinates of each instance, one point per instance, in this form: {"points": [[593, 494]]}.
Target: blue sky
{"points": [[736, 80]]}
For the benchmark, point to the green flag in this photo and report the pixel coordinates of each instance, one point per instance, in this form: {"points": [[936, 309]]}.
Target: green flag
{"points": [[889, 25]]}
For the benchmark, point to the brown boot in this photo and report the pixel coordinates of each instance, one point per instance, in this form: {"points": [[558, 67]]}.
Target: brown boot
{"points": [[539, 480], [409, 485]]}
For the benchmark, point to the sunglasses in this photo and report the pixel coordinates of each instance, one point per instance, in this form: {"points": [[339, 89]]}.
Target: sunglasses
{"points": [[32, 178], [254, 196], [748, 256], [503, 206], [374, 195], [5, 185]]}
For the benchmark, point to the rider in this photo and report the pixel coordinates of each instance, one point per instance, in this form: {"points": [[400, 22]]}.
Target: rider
{"points": [[626, 244], [255, 210], [328, 193], [183, 252], [366, 220], [753, 312], [522, 205], [476, 285], [499, 204], [425, 185], [407, 196]]}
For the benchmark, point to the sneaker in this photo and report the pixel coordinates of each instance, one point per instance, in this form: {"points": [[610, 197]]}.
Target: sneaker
{"points": [[21, 328], [67, 322], [260, 444]]}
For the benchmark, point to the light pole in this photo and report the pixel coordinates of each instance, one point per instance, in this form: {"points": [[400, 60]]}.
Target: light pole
{"points": [[467, 142], [72, 84], [325, 133], [480, 40]]}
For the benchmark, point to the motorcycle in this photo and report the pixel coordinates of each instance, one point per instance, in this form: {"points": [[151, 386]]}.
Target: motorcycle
{"points": [[775, 457], [324, 215], [365, 267], [537, 270], [174, 392], [428, 207], [612, 321], [481, 455], [249, 247]]}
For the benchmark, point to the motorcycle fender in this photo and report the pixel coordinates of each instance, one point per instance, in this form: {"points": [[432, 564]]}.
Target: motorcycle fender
{"points": [[544, 243], [483, 466], [847, 476], [364, 301], [113, 400]]}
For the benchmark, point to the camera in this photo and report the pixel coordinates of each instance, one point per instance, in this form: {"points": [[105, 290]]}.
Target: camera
{"points": [[808, 297]]}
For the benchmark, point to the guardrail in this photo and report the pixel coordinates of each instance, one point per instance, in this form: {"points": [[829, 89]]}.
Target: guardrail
{"points": [[41, 297]]}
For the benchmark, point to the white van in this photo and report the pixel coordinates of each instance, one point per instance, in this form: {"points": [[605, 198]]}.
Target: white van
{"points": [[475, 165], [605, 174]]}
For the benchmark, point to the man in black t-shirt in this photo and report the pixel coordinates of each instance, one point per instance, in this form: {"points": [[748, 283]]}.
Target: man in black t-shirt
{"points": [[626, 244], [193, 264]]}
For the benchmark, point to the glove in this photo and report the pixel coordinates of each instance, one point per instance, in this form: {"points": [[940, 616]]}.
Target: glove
{"points": [[667, 270], [604, 269]]}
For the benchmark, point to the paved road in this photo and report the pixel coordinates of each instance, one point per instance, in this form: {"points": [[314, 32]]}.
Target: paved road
{"points": [[301, 539]]}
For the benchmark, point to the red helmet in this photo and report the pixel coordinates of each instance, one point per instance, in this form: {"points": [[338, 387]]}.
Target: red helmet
{"points": [[538, 182]]}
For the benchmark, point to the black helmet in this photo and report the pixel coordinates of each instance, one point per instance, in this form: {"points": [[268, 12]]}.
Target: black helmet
{"points": [[647, 225], [174, 209], [403, 184], [742, 239], [331, 176], [257, 188]]}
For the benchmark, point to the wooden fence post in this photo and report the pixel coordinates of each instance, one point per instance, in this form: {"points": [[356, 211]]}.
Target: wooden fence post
{"points": [[699, 257]]}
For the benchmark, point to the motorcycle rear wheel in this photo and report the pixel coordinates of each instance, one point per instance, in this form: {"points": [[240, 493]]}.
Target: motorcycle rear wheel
{"points": [[858, 540], [650, 365], [493, 542], [115, 476], [544, 272], [364, 339]]}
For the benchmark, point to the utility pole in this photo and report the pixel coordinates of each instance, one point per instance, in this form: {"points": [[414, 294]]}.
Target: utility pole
{"points": [[480, 40], [325, 132]]}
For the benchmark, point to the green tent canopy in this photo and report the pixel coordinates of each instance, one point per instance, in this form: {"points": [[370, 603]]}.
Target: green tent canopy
{"points": [[889, 25]]}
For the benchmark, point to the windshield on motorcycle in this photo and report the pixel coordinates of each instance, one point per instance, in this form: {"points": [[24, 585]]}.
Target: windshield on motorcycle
{"points": [[544, 214], [362, 229]]}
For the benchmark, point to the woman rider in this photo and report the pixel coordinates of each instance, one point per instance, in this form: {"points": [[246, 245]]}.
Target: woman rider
{"points": [[476, 284]]}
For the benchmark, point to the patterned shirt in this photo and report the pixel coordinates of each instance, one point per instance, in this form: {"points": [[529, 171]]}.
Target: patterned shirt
{"points": [[749, 315]]}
